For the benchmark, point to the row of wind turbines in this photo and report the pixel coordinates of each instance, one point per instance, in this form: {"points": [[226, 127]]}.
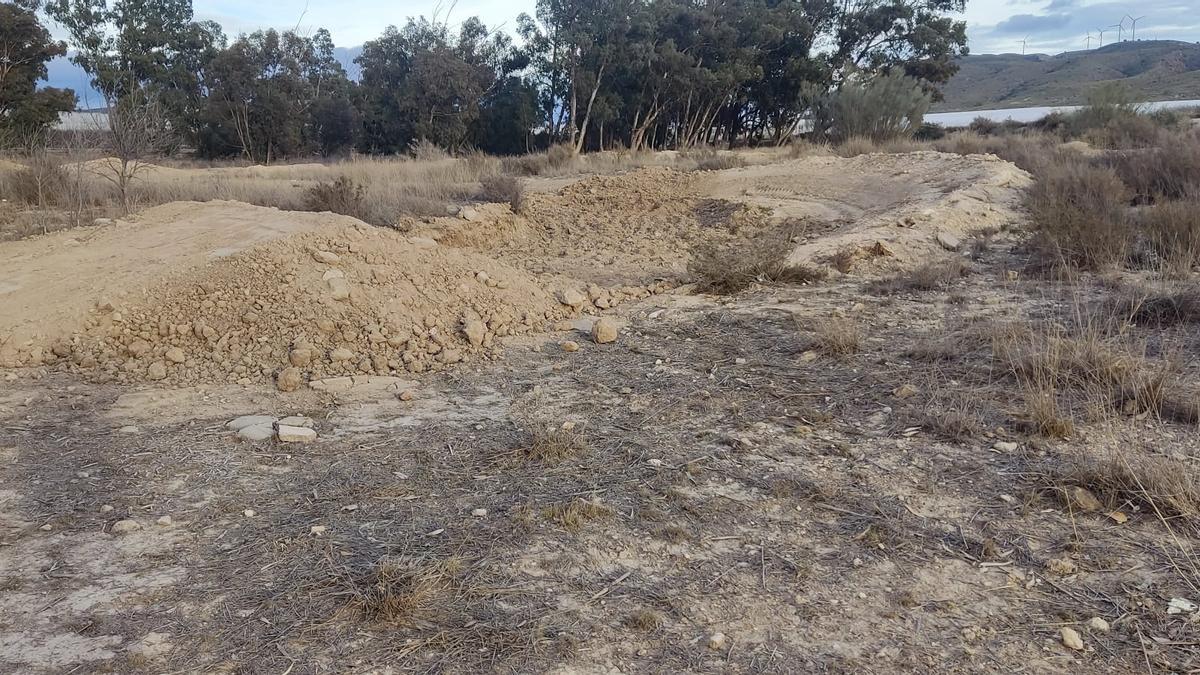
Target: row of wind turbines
{"points": [[1133, 20], [1120, 30]]}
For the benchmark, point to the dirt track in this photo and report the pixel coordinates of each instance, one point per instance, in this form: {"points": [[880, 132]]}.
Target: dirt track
{"points": [[719, 492]]}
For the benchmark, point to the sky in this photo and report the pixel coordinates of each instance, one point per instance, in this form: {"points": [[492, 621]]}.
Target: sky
{"points": [[993, 26]]}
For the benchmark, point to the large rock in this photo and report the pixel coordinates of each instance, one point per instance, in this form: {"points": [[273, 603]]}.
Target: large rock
{"points": [[239, 423], [327, 257], [290, 434], [475, 330], [157, 371], [572, 298], [604, 330], [289, 379], [948, 241], [257, 432]]}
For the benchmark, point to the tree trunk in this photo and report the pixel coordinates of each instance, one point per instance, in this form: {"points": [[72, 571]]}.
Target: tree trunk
{"points": [[587, 115]]}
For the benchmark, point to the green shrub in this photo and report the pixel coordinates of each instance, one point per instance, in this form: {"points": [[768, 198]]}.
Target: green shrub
{"points": [[881, 108]]}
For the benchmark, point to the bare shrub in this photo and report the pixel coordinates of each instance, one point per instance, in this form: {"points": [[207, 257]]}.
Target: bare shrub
{"points": [[41, 182], [837, 336], [710, 159], [1079, 215], [426, 151], [930, 276], [855, 146], [1168, 487], [504, 189], [1172, 231], [576, 513], [1163, 307], [402, 592], [1169, 171], [729, 268], [555, 444], [342, 196]]}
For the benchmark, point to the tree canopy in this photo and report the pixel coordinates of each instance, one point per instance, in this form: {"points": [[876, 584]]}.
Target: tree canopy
{"points": [[592, 74], [25, 47]]}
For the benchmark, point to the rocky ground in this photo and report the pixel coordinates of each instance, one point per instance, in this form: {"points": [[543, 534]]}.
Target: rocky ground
{"points": [[840, 475]]}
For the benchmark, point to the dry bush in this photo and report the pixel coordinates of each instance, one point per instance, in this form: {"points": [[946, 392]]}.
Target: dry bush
{"points": [[930, 276], [1031, 151], [644, 621], [729, 268], [1172, 233], [710, 159], [1168, 487], [402, 592], [837, 336], [855, 146], [554, 444], [1079, 216], [424, 150], [1058, 371], [1169, 171], [1163, 307], [342, 196], [504, 189], [42, 182], [576, 513]]}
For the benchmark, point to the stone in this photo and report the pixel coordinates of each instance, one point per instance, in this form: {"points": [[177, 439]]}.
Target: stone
{"points": [[138, 347], [570, 346], [572, 298], [341, 354], [479, 513], [905, 391], [318, 530], [249, 513], [165, 520], [604, 330], [289, 379], [129, 429], [290, 434], [125, 526], [469, 214], [175, 355], [339, 288], [948, 241], [1005, 446], [1082, 499], [239, 423], [327, 257], [333, 274], [1071, 639], [257, 432], [407, 395], [107, 508], [300, 357], [475, 330], [1098, 624], [332, 384], [157, 371], [450, 356], [717, 641], [296, 421]]}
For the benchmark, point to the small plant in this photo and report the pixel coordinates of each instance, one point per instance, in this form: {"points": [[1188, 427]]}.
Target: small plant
{"points": [[930, 276], [644, 621], [729, 269], [555, 444], [576, 513], [1079, 216], [402, 592], [504, 189], [342, 196], [837, 336]]}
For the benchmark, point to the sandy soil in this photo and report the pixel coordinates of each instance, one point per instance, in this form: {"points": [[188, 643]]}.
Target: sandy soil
{"points": [[717, 490]]}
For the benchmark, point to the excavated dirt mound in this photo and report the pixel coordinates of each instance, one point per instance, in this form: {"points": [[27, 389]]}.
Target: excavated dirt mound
{"points": [[620, 229], [231, 292], [882, 211]]}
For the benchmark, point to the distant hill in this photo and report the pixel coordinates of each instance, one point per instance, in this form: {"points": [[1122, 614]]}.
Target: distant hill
{"points": [[1154, 70]]}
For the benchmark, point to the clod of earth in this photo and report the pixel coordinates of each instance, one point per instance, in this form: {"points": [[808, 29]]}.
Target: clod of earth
{"points": [[1071, 639], [604, 330]]}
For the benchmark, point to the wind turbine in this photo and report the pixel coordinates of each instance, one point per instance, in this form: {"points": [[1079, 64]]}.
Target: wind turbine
{"points": [[1102, 32], [1089, 40], [1023, 40], [1134, 22], [1120, 28]]}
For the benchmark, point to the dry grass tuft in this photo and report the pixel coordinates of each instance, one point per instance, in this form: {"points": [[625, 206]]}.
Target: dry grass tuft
{"points": [[1168, 487], [1172, 233], [342, 196], [837, 336], [930, 276], [504, 189], [1165, 307], [576, 513], [731, 268], [403, 592], [1079, 216], [555, 444], [644, 621]]}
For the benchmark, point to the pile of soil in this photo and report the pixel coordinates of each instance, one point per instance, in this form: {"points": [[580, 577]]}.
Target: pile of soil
{"points": [[326, 295]]}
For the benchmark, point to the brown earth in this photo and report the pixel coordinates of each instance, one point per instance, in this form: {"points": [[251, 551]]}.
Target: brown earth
{"points": [[818, 477]]}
